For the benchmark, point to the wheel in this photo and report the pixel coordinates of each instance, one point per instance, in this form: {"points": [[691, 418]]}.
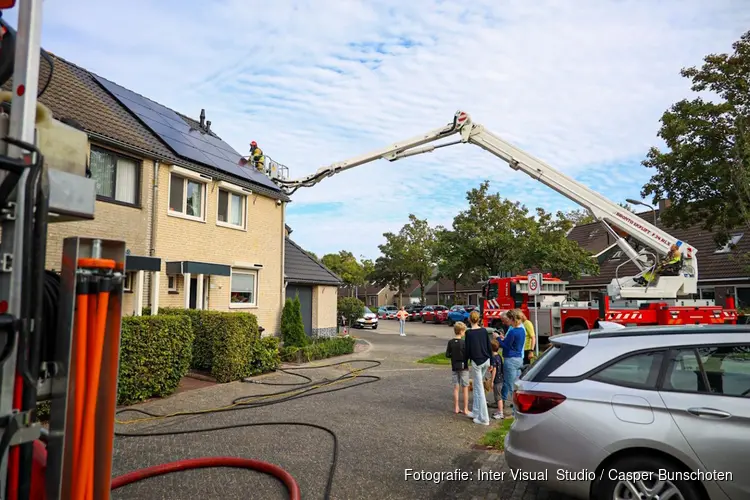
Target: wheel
{"points": [[375, 326], [451, 322], [626, 476], [424, 320]]}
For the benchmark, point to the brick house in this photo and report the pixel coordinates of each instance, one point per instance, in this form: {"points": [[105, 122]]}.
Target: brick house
{"points": [[197, 236], [373, 296], [442, 292], [315, 285], [720, 271]]}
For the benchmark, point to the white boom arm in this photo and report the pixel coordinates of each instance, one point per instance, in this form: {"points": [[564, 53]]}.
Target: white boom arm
{"points": [[604, 210]]}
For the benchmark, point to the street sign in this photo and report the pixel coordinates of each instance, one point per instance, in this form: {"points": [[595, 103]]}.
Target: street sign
{"points": [[535, 284]]}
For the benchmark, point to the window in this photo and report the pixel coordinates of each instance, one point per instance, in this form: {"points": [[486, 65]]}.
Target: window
{"points": [[231, 209], [171, 283], [243, 289], [127, 282], [725, 370], [116, 177], [707, 293], [186, 196], [640, 370], [733, 240], [617, 255]]}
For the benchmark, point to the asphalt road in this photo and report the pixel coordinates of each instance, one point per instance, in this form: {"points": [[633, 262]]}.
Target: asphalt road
{"points": [[404, 421]]}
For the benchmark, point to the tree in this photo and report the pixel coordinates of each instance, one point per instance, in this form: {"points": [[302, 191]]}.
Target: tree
{"points": [[420, 246], [490, 230], [392, 267], [704, 172], [368, 269], [579, 217], [312, 254], [345, 265], [351, 308], [549, 249], [451, 259], [292, 326]]}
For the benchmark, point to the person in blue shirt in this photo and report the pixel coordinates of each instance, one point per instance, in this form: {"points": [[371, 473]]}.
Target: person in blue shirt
{"points": [[512, 343]]}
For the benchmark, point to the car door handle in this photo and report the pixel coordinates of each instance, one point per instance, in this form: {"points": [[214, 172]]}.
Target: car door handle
{"points": [[708, 412]]}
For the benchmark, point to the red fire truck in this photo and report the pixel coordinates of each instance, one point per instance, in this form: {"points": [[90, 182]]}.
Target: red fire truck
{"points": [[557, 314]]}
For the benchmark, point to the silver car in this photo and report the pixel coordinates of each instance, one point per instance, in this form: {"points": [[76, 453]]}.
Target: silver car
{"points": [[638, 413]]}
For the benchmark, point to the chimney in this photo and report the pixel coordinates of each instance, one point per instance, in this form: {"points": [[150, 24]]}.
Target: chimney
{"points": [[664, 204], [208, 126], [203, 117]]}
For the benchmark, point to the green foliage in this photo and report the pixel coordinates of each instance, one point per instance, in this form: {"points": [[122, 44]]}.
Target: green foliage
{"points": [[419, 251], [223, 341], [392, 268], [319, 349], [452, 261], [350, 308], [436, 359], [292, 326], [346, 266], [580, 217], [155, 354], [265, 355], [548, 248], [705, 170]]}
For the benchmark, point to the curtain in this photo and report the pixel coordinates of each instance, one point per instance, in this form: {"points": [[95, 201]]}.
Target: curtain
{"points": [[102, 171], [127, 181], [194, 192], [236, 210]]}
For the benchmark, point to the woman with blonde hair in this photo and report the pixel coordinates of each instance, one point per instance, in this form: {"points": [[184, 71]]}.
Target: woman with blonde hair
{"points": [[512, 343], [479, 351], [528, 346]]}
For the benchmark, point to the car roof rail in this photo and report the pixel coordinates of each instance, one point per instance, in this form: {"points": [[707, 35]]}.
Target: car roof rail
{"points": [[640, 331]]}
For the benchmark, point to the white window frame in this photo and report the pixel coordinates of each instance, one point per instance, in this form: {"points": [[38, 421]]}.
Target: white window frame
{"points": [[236, 190], [127, 282], [734, 239], [138, 175], [245, 305], [173, 277], [188, 175]]}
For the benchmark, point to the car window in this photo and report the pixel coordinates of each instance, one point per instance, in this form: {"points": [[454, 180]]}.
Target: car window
{"points": [[726, 371], [544, 359], [639, 370]]}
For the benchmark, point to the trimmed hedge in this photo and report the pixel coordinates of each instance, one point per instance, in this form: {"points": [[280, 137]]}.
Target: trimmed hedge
{"points": [[155, 353], [319, 349], [265, 355], [224, 342]]}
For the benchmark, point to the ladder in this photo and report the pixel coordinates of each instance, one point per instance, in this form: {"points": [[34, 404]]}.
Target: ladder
{"points": [[548, 287]]}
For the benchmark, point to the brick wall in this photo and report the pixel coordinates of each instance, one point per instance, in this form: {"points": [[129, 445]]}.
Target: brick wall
{"points": [[324, 303], [114, 222], [179, 239]]}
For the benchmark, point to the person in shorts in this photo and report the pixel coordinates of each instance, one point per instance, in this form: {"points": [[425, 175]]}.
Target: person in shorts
{"points": [[456, 351], [496, 370]]}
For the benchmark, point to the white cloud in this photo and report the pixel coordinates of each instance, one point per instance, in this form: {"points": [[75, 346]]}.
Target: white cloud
{"points": [[579, 84]]}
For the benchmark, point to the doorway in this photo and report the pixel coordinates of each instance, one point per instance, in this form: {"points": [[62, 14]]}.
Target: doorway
{"points": [[194, 292]]}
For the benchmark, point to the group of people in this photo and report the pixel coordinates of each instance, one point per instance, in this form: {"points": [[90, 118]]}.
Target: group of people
{"points": [[475, 355]]}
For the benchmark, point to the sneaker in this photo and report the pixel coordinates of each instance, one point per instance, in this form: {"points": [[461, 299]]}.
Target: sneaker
{"points": [[402, 334], [498, 416], [470, 415], [477, 421]]}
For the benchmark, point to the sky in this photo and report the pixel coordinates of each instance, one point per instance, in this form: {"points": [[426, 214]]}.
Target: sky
{"points": [[581, 85]]}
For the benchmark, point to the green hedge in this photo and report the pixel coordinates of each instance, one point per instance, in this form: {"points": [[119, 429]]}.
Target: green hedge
{"points": [[265, 355], [224, 342], [155, 353], [319, 349]]}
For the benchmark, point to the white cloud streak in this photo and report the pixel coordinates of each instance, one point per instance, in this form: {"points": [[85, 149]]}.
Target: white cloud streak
{"points": [[580, 85]]}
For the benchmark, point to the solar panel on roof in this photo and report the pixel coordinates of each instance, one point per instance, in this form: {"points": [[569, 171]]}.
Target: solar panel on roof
{"points": [[178, 135]]}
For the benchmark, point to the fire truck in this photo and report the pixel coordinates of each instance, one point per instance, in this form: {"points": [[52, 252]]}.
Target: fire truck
{"points": [[664, 299], [557, 314]]}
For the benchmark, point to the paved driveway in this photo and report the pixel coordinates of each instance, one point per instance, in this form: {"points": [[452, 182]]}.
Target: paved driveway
{"points": [[405, 421]]}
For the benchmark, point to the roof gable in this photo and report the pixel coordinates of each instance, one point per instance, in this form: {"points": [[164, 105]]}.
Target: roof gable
{"points": [[300, 267]]}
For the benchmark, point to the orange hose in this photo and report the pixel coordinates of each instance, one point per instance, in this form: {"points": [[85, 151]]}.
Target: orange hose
{"points": [[96, 344], [81, 320]]}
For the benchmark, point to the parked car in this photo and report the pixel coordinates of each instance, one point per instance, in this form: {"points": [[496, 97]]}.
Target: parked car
{"points": [[368, 318], [459, 313], [382, 312], [415, 312], [436, 314], [391, 312], [668, 405]]}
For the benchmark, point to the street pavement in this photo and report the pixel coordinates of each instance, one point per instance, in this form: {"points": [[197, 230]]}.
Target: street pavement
{"points": [[404, 421]]}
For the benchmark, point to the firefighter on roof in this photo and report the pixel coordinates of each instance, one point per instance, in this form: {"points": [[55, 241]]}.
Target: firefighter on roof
{"points": [[256, 157], [671, 262]]}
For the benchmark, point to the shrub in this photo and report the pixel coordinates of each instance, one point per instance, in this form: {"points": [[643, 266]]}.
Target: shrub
{"points": [[292, 327], [319, 349], [350, 308], [233, 338], [155, 353], [265, 355]]}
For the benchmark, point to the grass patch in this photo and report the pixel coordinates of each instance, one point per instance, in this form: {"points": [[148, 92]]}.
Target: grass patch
{"points": [[496, 437], [436, 359]]}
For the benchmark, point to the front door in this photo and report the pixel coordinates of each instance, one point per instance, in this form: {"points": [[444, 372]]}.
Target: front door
{"points": [[193, 292]]}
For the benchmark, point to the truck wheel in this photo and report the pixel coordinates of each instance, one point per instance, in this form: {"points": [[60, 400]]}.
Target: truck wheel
{"points": [[577, 327], [648, 468]]}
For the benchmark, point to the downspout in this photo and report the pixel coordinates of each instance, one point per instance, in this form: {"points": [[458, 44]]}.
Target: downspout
{"points": [[154, 204], [283, 257]]}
